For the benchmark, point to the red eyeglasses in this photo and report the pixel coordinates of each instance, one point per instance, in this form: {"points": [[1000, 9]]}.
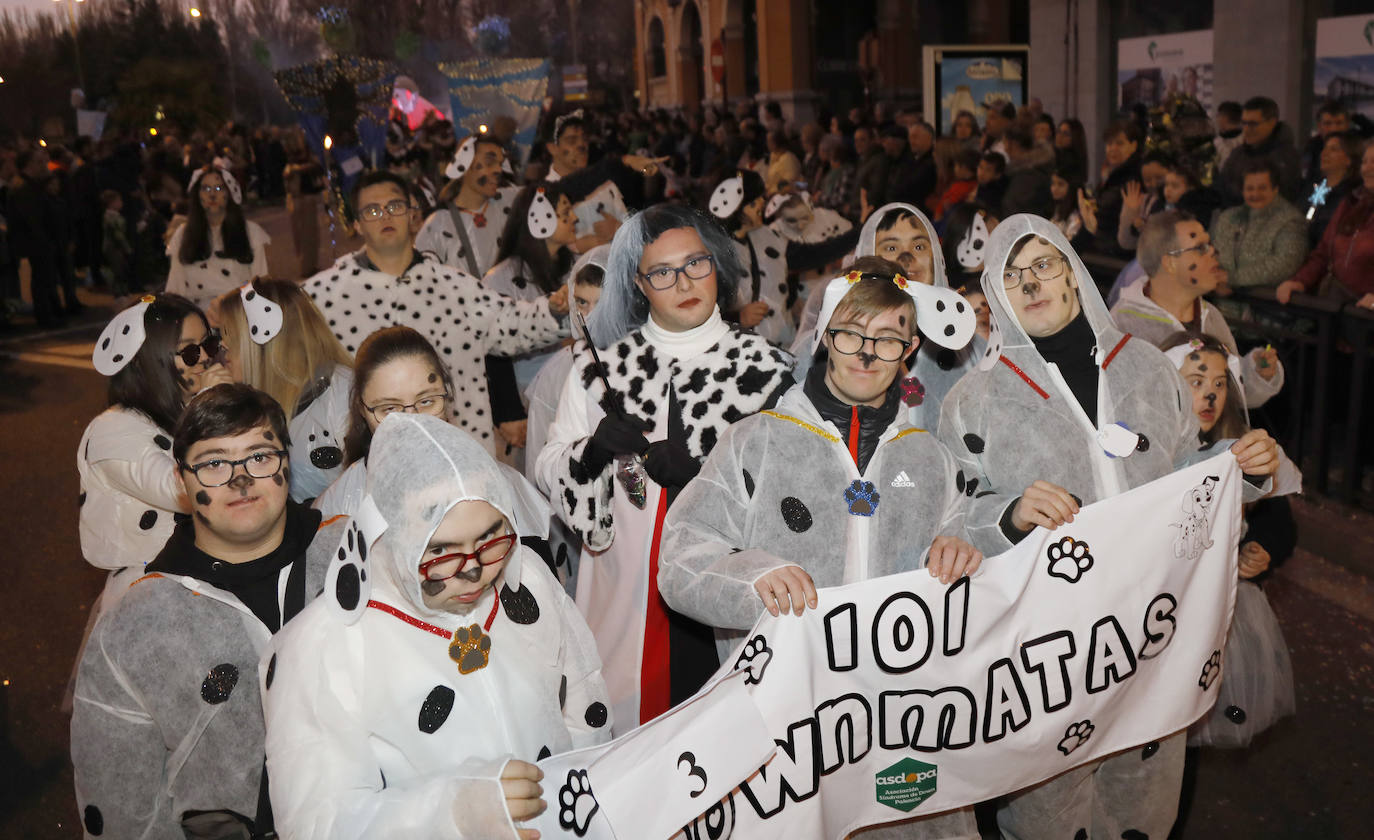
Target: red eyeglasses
{"points": [[452, 565]]}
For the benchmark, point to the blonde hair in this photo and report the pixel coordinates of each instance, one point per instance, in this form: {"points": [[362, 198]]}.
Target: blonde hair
{"points": [[304, 349]]}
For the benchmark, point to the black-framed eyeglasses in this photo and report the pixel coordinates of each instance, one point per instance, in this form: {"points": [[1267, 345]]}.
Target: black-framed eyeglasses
{"points": [[1202, 248], [209, 346], [218, 472], [428, 404], [373, 212], [697, 268], [453, 565], [1043, 268], [850, 343]]}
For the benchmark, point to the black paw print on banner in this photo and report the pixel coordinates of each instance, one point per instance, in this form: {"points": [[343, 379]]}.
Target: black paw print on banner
{"points": [[862, 497], [576, 804], [1211, 669], [470, 648], [754, 659], [1076, 735], [1069, 559]]}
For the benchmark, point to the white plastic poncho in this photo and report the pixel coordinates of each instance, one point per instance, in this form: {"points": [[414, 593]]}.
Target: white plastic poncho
{"points": [[129, 495], [1014, 421], [389, 719]]}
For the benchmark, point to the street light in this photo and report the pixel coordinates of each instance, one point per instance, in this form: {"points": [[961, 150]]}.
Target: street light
{"points": [[195, 12]]}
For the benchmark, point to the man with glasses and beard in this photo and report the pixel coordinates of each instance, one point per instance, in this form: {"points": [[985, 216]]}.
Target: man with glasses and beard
{"points": [[1181, 261], [1066, 410], [167, 726], [390, 283]]}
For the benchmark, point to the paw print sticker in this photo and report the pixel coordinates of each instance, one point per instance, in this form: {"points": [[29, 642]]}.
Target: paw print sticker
{"points": [[1075, 736], [862, 498], [913, 392], [1211, 669], [754, 659], [576, 804], [470, 648], [1069, 559]]}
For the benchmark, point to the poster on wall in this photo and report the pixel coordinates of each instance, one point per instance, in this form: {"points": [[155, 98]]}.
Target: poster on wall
{"points": [[1157, 68], [972, 78], [1344, 63]]}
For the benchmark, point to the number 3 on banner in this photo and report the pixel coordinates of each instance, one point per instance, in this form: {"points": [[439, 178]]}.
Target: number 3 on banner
{"points": [[693, 771]]}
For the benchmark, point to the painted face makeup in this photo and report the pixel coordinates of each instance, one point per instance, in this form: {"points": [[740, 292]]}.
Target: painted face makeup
{"points": [[1043, 306], [466, 528], [244, 510], [688, 303], [1205, 373], [907, 244]]}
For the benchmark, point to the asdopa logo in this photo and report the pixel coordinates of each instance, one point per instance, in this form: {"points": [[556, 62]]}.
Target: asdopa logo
{"points": [[906, 784]]}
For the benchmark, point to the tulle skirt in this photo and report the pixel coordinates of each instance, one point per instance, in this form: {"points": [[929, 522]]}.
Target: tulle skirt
{"points": [[1256, 678]]}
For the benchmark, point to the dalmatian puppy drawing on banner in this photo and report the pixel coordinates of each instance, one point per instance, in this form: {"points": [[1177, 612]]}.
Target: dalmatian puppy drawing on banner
{"points": [[1192, 534]]}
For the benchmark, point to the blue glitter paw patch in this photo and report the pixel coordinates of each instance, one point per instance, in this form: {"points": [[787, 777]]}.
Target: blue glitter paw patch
{"points": [[862, 498]]}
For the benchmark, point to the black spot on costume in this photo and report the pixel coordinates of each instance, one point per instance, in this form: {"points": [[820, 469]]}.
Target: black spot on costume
{"points": [[219, 683], [519, 605], [436, 708]]}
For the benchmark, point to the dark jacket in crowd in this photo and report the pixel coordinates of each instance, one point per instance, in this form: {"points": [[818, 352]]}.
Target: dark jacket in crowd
{"points": [[1322, 213], [912, 179], [873, 174], [1346, 250], [1028, 184], [1109, 200], [1279, 149]]}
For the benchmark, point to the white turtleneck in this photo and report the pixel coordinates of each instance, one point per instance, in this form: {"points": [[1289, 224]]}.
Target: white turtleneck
{"points": [[688, 343]]}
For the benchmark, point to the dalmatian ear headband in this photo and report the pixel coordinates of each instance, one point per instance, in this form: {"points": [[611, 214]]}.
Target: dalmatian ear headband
{"points": [[575, 116], [727, 197], [1180, 353], [348, 583], [541, 218], [994, 348], [264, 316], [122, 337], [230, 183], [776, 202], [969, 251], [941, 314], [462, 158]]}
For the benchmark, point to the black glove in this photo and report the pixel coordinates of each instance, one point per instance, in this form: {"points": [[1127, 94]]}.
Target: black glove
{"points": [[615, 435], [670, 464]]}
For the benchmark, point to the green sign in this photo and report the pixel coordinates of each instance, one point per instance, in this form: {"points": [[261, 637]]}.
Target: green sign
{"points": [[906, 784]]}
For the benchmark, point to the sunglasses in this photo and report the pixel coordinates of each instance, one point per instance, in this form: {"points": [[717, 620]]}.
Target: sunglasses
{"points": [[210, 346]]}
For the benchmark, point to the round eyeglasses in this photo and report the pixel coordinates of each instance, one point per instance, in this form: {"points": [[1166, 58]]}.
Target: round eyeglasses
{"points": [[218, 472], [373, 212], [456, 564], [428, 404], [1043, 268], [697, 268], [850, 343]]}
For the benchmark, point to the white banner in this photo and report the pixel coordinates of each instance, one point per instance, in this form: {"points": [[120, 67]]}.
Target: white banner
{"points": [[901, 697], [1154, 69]]}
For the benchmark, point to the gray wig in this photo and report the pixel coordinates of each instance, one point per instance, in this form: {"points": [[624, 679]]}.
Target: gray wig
{"points": [[623, 307]]}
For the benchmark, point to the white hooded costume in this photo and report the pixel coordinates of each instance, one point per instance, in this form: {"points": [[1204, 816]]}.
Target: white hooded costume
{"points": [[386, 718], [936, 368], [1015, 420]]}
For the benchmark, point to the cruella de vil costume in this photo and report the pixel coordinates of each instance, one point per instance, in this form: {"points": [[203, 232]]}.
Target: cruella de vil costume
{"points": [[1016, 420], [687, 388], [386, 718]]}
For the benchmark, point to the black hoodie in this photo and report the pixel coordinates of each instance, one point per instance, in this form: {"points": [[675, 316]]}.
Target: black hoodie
{"points": [[872, 422]]}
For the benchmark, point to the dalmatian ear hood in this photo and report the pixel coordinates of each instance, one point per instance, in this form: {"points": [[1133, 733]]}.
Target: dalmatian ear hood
{"points": [[868, 239], [419, 467], [1007, 337]]}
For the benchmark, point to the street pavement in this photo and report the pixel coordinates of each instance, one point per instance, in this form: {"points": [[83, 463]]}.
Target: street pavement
{"points": [[1308, 777]]}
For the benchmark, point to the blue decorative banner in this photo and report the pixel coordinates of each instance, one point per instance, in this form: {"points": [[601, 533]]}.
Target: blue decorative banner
{"points": [[483, 88]]}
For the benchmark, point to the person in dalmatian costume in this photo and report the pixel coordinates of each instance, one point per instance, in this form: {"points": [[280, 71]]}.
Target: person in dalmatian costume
{"points": [[158, 354], [279, 343], [1065, 410], [443, 658], [603, 193], [217, 249], [832, 486], [167, 726], [465, 232], [1181, 263], [534, 261], [766, 257], [1257, 684], [645, 404], [389, 282], [968, 226]]}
